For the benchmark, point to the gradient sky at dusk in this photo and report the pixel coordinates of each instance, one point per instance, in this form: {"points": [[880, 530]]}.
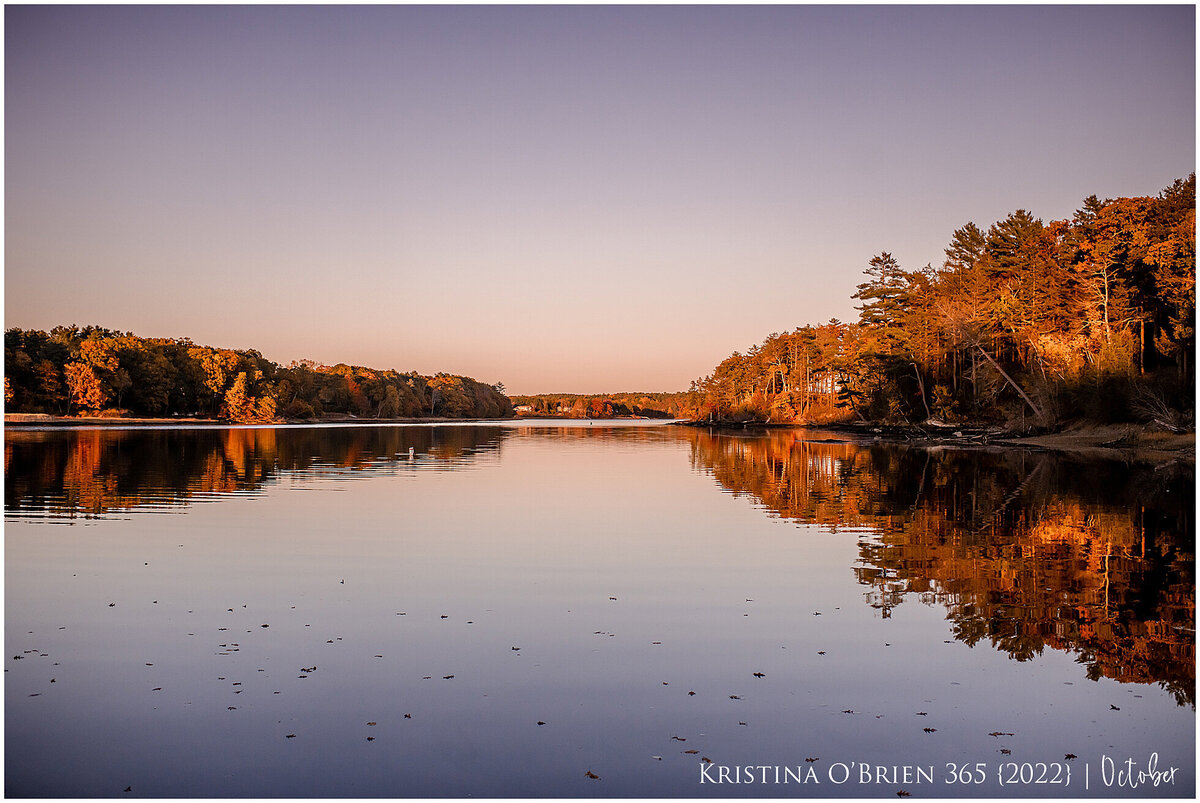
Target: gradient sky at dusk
{"points": [[572, 199]]}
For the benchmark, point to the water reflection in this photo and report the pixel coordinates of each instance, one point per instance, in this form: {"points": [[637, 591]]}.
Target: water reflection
{"points": [[513, 606], [93, 473], [1025, 550]]}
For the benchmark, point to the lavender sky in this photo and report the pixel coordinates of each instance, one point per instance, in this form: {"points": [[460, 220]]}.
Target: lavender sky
{"points": [[565, 199]]}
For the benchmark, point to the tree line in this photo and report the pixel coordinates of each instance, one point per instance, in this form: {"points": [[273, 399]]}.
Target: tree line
{"points": [[95, 371], [612, 405], [1027, 321]]}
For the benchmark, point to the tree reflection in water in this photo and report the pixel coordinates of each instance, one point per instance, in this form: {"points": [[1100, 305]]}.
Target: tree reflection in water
{"points": [[93, 472], [1026, 550]]}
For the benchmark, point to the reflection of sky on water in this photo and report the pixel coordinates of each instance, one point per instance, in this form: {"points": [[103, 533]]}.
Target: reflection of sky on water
{"points": [[525, 549]]}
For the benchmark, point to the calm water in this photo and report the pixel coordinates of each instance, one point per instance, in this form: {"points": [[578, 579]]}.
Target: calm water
{"points": [[509, 610]]}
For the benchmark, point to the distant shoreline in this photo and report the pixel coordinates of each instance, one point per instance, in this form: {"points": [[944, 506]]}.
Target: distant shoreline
{"points": [[29, 420], [100, 422]]}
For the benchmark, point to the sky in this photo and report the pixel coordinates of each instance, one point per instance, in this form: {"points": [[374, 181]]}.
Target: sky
{"points": [[560, 198]]}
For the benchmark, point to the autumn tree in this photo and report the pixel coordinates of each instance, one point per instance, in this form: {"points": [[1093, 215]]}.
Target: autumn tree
{"points": [[85, 387]]}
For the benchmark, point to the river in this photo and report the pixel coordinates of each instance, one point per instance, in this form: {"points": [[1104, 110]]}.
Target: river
{"points": [[590, 609]]}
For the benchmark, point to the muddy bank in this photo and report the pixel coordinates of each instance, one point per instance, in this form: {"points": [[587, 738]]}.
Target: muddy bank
{"points": [[1146, 440]]}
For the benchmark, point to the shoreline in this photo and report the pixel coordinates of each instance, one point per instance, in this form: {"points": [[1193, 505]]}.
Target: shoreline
{"points": [[1096, 439], [98, 422], [48, 420]]}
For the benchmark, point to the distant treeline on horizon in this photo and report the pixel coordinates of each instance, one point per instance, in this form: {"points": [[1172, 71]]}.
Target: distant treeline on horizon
{"points": [[95, 371], [605, 405]]}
